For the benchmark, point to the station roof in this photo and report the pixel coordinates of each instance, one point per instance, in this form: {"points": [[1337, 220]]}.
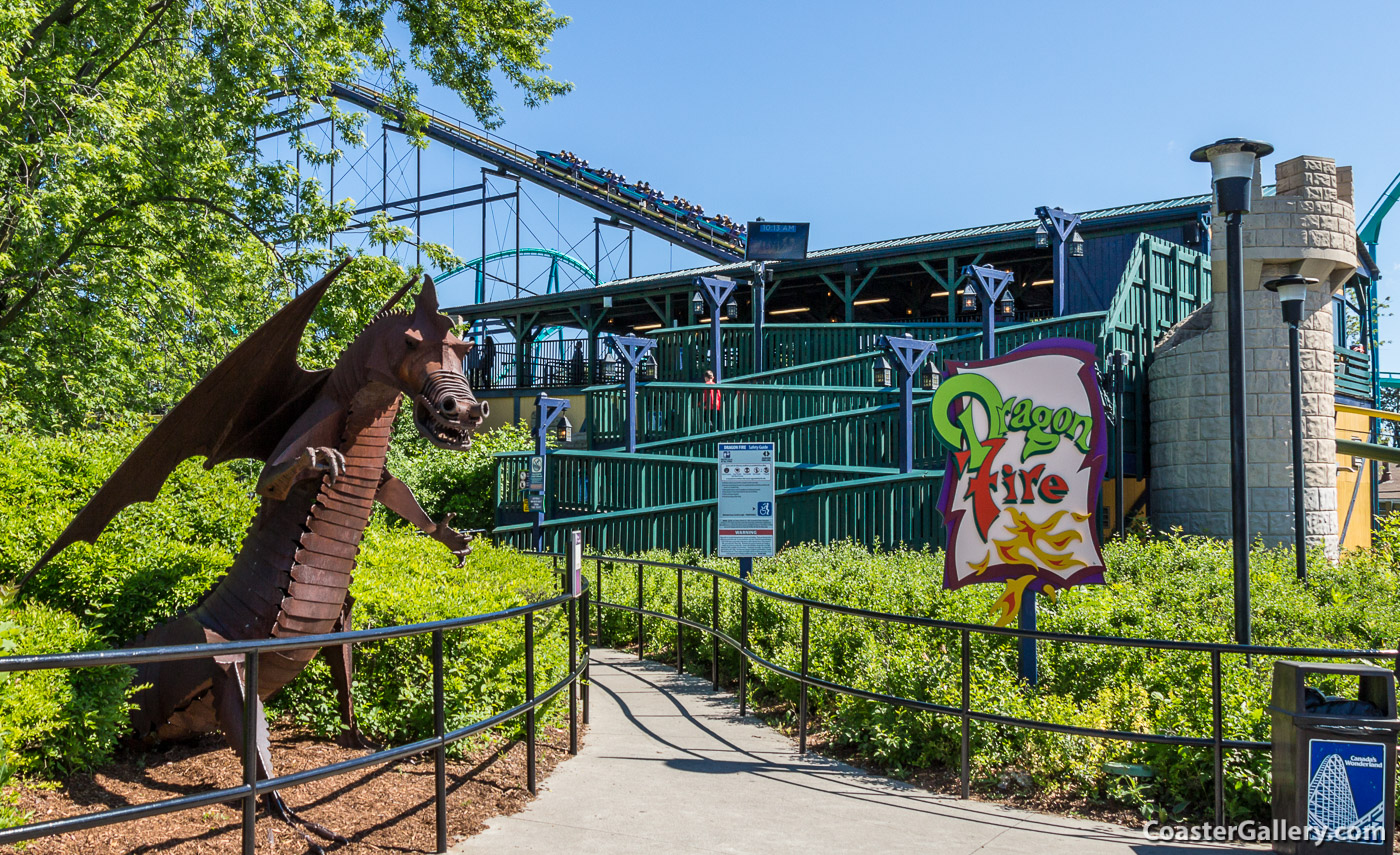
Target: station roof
{"points": [[556, 308]]}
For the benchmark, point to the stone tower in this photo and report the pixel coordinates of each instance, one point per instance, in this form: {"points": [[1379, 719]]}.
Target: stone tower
{"points": [[1307, 227]]}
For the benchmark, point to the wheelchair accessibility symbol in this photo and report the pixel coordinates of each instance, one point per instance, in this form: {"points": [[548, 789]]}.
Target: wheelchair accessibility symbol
{"points": [[765, 509]]}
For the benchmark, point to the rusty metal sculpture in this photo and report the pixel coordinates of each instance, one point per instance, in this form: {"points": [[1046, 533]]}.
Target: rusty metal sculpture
{"points": [[323, 436]]}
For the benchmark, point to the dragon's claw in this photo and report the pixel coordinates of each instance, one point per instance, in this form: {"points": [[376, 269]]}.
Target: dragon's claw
{"points": [[324, 459], [459, 542]]}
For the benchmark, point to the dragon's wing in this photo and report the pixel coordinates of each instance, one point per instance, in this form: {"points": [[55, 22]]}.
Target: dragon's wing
{"points": [[242, 408]]}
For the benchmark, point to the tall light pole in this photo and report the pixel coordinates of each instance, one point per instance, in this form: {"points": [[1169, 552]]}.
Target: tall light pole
{"points": [[760, 287], [911, 355], [547, 409], [1232, 174], [1292, 291], [990, 288], [631, 350], [1119, 362], [1064, 226], [715, 293]]}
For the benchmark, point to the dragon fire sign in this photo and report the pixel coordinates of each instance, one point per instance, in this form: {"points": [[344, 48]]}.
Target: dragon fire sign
{"points": [[1028, 444]]}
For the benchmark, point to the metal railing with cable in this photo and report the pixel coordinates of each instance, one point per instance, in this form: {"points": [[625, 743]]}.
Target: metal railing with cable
{"points": [[575, 604], [964, 710]]}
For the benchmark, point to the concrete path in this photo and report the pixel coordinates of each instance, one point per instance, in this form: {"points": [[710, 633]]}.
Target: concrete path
{"points": [[668, 766]]}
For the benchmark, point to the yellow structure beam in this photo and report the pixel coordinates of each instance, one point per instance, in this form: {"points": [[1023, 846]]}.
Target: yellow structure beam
{"points": [[1365, 411]]}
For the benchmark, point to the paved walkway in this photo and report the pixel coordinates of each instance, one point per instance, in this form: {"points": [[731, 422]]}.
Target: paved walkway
{"points": [[668, 766]]}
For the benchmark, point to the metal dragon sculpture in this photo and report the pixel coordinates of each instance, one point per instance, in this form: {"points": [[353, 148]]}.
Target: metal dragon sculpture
{"points": [[323, 436]]}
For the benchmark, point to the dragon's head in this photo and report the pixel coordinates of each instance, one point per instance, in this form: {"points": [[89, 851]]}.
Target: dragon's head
{"points": [[426, 364]]}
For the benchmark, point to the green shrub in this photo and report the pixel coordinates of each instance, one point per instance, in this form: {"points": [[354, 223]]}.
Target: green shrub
{"points": [[57, 721], [156, 559], [153, 561], [404, 578], [457, 482], [1163, 588]]}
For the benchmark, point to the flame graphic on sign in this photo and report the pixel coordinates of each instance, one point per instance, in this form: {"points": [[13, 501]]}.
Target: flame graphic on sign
{"points": [[1037, 544], [1008, 605], [980, 567]]}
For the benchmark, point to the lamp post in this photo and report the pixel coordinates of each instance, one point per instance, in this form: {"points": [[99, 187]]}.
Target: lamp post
{"points": [[987, 286], [1292, 291], [1119, 361], [1232, 174], [632, 350], [715, 293], [910, 355], [756, 306], [1064, 228], [547, 409]]}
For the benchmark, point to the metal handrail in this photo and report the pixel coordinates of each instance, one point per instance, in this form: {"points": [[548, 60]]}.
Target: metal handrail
{"points": [[251, 788], [964, 710]]}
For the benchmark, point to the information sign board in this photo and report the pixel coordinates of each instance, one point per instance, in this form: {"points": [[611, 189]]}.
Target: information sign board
{"points": [[747, 481], [534, 485]]}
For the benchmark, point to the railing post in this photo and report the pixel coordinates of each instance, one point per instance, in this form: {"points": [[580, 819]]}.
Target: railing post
{"points": [[802, 686], [573, 683], [250, 750], [598, 598], [965, 767], [587, 652], [680, 629], [440, 752], [714, 636], [641, 628], [1217, 736], [529, 698], [743, 650]]}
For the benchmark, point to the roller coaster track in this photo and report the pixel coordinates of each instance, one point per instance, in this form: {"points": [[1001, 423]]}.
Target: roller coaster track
{"points": [[555, 259], [506, 156]]}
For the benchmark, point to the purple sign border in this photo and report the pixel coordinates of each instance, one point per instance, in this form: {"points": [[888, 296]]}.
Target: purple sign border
{"points": [[1096, 460]]}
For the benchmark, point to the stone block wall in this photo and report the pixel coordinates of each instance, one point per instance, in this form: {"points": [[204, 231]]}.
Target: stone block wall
{"points": [[1307, 228]]}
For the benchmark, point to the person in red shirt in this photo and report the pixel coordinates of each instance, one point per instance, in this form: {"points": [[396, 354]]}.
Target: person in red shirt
{"points": [[710, 402]]}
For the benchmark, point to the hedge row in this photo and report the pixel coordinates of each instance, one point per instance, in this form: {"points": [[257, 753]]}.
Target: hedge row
{"points": [[1168, 588], [157, 559]]}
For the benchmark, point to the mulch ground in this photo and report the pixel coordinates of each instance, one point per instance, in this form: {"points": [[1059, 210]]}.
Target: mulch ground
{"points": [[383, 809]]}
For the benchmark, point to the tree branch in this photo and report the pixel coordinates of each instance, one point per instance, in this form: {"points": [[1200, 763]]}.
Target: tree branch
{"points": [[218, 209], [49, 272], [136, 43]]}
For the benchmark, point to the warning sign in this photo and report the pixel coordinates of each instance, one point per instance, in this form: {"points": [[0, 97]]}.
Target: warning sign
{"points": [[747, 482]]}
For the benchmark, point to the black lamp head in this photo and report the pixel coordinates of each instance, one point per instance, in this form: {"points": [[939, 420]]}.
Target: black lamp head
{"points": [[1292, 291], [1232, 169]]}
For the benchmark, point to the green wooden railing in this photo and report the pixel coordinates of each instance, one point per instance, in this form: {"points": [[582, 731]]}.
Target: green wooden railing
{"points": [[1162, 283], [1353, 373], [673, 410], [865, 437], [683, 353], [965, 348], [582, 482], [857, 370], [885, 511]]}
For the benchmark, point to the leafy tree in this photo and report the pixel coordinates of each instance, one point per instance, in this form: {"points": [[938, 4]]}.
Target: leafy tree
{"points": [[141, 235]]}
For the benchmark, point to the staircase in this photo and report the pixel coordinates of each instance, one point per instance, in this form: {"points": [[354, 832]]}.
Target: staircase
{"points": [[836, 432]]}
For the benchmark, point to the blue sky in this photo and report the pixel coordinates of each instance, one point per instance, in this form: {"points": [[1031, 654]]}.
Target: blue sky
{"points": [[887, 119]]}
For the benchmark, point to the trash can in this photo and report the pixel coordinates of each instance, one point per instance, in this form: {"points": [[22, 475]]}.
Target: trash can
{"points": [[1334, 761]]}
